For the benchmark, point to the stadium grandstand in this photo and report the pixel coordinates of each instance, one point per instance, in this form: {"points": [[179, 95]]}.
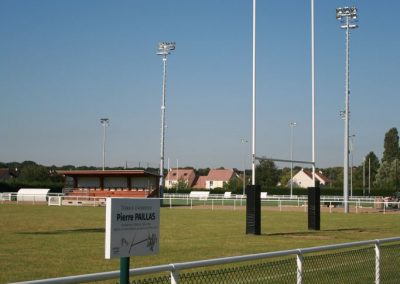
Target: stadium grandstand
{"points": [[110, 183]]}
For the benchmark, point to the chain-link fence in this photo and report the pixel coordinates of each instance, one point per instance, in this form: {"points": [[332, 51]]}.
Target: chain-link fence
{"points": [[350, 266], [390, 263], [269, 271], [374, 261], [354, 265]]}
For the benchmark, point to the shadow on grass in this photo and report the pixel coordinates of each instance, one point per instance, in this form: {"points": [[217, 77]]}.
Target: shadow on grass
{"points": [[175, 205], [312, 232], [71, 231]]}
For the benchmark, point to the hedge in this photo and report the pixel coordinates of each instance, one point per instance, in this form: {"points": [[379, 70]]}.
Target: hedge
{"points": [[14, 186], [297, 191]]}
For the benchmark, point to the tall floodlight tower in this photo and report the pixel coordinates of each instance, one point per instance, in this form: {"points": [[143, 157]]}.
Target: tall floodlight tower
{"points": [[104, 122], [164, 49], [347, 17]]}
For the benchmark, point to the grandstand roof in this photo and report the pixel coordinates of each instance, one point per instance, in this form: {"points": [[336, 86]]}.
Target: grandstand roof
{"points": [[107, 173]]}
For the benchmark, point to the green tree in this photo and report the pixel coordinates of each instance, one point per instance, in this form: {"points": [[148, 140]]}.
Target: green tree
{"points": [[358, 177], [335, 175], [267, 174], [31, 172], [371, 162], [202, 172], [181, 185], [391, 145], [285, 176], [387, 176], [233, 185]]}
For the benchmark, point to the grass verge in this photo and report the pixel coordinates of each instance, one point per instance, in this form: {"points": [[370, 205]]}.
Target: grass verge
{"points": [[39, 241]]}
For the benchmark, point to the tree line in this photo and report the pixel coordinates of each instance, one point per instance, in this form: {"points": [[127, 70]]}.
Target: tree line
{"points": [[372, 173]]}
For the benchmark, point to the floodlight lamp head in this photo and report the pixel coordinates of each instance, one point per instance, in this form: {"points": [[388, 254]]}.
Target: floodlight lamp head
{"points": [[164, 48], [104, 121], [346, 12]]}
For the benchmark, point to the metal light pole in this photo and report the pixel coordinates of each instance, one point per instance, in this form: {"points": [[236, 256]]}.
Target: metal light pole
{"points": [[347, 16], [253, 138], [369, 176], [352, 160], [105, 122], [313, 90], [244, 166], [364, 177], [291, 125], [164, 49]]}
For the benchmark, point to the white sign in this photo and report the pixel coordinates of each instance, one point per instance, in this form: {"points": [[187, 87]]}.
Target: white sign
{"points": [[132, 227]]}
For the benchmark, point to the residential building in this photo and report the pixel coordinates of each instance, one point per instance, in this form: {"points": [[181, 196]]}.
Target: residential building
{"points": [[304, 179], [200, 183], [176, 175], [217, 178]]}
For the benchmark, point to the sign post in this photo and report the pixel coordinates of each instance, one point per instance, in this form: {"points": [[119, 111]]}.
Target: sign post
{"points": [[124, 270], [132, 229]]}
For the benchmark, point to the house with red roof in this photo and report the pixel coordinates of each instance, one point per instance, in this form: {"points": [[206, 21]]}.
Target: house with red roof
{"points": [[217, 178], [304, 179], [175, 175], [200, 183]]}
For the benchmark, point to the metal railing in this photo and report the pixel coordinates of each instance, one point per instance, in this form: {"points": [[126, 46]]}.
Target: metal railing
{"points": [[372, 261], [281, 203]]}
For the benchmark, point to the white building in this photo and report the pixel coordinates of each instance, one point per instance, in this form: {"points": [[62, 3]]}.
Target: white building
{"points": [[304, 179], [217, 178], [187, 176]]}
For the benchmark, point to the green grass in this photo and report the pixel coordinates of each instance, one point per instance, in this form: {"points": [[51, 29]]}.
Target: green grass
{"points": [[39, 241]]}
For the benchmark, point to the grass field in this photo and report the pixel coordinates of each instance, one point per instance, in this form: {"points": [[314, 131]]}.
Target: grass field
{"points": [[39, 241]]}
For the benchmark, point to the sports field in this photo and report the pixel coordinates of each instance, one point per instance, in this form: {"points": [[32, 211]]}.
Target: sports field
{"points": [[38, 241]]}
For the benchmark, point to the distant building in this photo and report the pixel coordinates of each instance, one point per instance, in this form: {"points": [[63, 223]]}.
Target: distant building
{"points": [[200, 183], [187, 176], [304, 179], [217, 178], [112, 183]]}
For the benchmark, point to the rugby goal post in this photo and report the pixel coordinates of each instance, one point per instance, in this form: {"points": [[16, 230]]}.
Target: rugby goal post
{"points": [[55, 200]]}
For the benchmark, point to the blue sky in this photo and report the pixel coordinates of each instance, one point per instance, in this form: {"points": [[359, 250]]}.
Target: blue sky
{"points": [[65, 64]]}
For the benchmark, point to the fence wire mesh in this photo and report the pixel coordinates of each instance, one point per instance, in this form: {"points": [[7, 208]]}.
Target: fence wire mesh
{"points": [[166, 279], [281, 271], [345, 266], [350, 266], [390, 263]]}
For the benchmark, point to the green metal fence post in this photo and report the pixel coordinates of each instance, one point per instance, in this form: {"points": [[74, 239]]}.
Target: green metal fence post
{"points": [[124, 270]]}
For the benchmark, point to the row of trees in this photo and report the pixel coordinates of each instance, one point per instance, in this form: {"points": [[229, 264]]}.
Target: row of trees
{"points": [[372, 173], [388, 175]]}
